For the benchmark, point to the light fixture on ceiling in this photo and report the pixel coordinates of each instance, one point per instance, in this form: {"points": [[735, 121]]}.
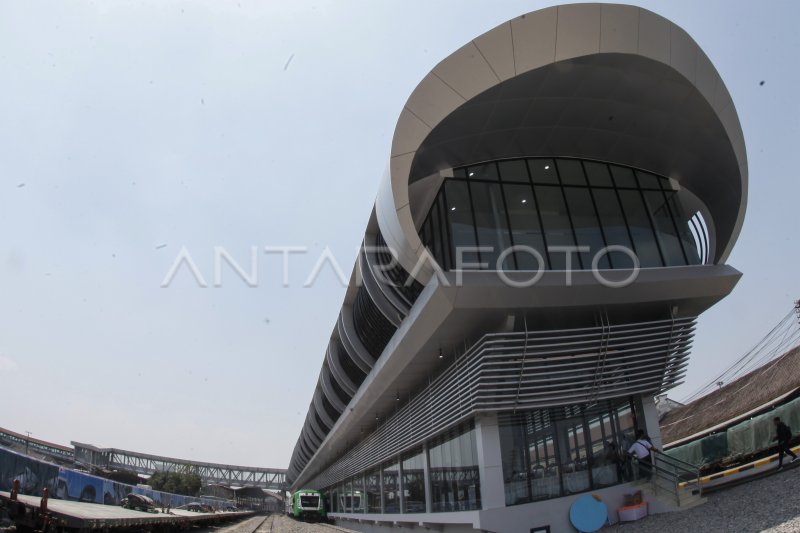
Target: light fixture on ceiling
{"points": [[453, 208], [397, 398], [524, 201], [441, 355], [547, 167], [471, 174]]}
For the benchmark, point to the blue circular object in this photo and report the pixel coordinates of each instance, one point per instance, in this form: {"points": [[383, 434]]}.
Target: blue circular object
{"points": [[588, 514]]}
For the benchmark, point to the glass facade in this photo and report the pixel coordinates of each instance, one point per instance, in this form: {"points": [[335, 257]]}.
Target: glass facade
{"points": [[546, 453], [414, 483], [566, 450], [544, 204], [455, 483], [373, 491], [448, 465]]}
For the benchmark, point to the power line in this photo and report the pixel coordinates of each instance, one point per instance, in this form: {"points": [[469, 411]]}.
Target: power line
{"points": [[784, 336]]}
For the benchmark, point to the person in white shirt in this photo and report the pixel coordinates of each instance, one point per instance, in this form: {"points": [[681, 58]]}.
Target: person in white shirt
{"points": [[641, 450]]}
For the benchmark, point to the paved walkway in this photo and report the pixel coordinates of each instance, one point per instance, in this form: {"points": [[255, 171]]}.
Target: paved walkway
{"points": [[771, 504]]}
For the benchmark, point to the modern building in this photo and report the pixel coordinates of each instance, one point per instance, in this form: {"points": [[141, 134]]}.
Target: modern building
{"points": [[561, 197]]}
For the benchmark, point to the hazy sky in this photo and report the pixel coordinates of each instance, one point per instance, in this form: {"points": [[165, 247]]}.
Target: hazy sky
{"points": [[129, 130]]}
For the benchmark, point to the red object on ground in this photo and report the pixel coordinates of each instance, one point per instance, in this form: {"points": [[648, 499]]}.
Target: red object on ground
{"points": [[14, 489], [630, 513], [43, 503]]}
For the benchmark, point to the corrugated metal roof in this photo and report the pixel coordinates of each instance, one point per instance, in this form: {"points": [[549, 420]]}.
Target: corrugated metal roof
{"points": [[770, 382]]}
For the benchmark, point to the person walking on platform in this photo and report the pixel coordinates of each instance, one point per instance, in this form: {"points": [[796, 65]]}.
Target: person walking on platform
{"points": [[783, 435], [641, 449]]}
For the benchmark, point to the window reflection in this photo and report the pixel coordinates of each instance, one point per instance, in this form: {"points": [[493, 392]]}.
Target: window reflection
{"points": [[491, 223], [373, 491], [455, 484], [461, 223], [545, 203], [526, 230], [556, 223], [414, 483], [550, 453], [391, 488], [357, 496]]}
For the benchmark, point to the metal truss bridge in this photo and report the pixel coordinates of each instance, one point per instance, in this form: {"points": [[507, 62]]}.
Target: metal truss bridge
{"points": [[142, 463]]}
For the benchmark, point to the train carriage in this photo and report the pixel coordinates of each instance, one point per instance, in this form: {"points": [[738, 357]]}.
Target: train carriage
{"points": [[307, 504]]}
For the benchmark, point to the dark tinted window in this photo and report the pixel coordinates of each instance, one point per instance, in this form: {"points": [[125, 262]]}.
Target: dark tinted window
{"points": [[587, 227], [462, 225], [543, 171], [514, 171], [597, 174], [571, 172], [483, 172], [491, 223], [525, 227], [557, 227]]}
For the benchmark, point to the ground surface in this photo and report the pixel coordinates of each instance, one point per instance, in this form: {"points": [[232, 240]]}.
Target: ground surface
{"points": [[770, 505], [275, 524]]}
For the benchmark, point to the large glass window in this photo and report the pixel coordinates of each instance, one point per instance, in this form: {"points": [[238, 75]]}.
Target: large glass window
{"points": [[373, 491], [347, 496], [587, 227], [391, 488], [614, 226], [572, 448], [544, 203], [525, 227], [455, 482], [414, 483], [597, 174], [483, 172], [514, 171], [358, 494], [334, 500], [557, 225], [461, 222], [639, 225], [555, 452], [571, 172], [665, 228], [491, 224], [682, 223], [543, 171]]}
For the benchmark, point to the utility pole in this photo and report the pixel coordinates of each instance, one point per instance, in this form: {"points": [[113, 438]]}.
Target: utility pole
{"points": [[27, 441]]}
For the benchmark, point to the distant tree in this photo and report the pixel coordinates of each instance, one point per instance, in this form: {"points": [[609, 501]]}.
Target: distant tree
{"points": [[185, 483]]}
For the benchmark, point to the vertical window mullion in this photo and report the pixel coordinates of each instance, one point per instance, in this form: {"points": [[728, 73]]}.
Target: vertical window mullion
{"points": [[587, 442], [661, 252], [569, 214], [450, 261], [675, 225], [597, 212], [508, 224], [474, 223], [539, 216], [625, 218]]}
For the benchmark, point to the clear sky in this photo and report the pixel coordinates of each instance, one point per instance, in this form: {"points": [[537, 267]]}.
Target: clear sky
{"points": [[129, 130]]}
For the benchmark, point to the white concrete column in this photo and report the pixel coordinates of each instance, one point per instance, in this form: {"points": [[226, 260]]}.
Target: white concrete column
{"points": [[490, 461], [647, 417]]}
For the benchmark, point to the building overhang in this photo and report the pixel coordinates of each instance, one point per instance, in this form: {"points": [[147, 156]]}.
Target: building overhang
{"points": [[602, 81], [449, 311]]}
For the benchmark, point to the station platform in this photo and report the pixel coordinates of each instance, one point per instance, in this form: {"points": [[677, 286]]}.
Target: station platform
{"points": [[88, 516]]}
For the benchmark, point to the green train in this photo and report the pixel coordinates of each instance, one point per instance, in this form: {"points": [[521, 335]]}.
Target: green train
{"points": [[307, 504]]}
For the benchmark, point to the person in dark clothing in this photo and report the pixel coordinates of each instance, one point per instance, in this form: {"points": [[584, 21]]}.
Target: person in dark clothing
{"points": [[783, 435]]}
